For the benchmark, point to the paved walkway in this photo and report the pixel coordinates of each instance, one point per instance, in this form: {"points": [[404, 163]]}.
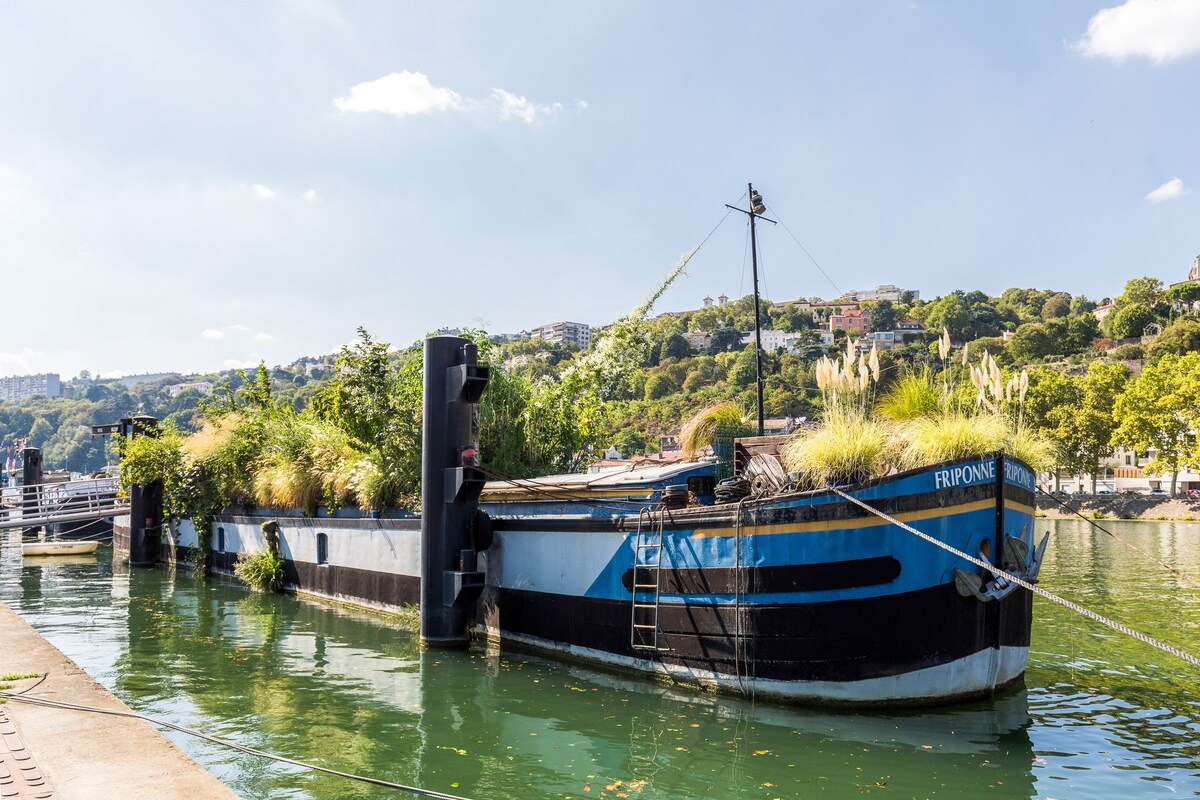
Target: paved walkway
{"points": [[71, 755]]}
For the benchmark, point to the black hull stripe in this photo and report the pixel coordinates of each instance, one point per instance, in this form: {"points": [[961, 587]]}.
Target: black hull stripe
{"points": [[838, 641], [328, 580], [850, 574]]}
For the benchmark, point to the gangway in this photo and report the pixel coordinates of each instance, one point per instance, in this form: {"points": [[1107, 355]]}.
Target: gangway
{"points": [[40, 504]]}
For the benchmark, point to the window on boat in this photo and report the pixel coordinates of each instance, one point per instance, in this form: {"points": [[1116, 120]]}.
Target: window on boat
{"points": [[322, 548], [220, 540]]}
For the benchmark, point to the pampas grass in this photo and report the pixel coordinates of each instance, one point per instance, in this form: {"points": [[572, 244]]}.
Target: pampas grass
{"points": [[849, 447], [921, 422], [699, 431]]}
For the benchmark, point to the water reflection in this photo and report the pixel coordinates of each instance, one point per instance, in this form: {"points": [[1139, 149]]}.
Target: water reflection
{"points": [[352, 691]]}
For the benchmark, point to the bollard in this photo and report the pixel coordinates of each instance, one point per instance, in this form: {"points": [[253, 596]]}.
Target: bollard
{"points": [[450, 485]]}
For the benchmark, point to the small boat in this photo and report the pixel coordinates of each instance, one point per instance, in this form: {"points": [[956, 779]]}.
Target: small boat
{"points": [[53, 547]]}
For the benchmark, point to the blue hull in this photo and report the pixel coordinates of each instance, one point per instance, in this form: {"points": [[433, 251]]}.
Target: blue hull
{"points": [[802, 597]]}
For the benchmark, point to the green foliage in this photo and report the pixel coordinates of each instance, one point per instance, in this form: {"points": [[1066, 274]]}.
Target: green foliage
{"points": [[914, 394], [1129, 320], [699, 432], [1030, 343], [147, 459], [1180, 337], [1160, 411], [949, 435], [849, 447], [1128, 352], [263, 569]]}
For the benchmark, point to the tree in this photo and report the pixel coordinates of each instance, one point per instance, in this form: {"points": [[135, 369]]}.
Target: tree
{"points": [[1159, 411], [1050, 405], [952, 313], [1140, 290], [1180, 337], [1185, 294], [883, 314], [658, 386], [1130, 320], [675, 346], [1030, 343], [1081, 305], [724, 339], [1058, 305], [1093, 419], [40, 432]]}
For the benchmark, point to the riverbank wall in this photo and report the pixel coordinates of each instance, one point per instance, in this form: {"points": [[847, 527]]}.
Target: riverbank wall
{"points": [[1120, 506]]}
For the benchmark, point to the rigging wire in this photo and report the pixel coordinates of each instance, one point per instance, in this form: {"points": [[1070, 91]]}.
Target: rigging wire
{"points": [[805, 249], [42, 701]]}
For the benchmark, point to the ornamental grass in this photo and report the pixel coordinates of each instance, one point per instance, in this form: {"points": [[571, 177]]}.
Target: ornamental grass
{"points": [[911, 396], [950, 435], [849, 447], [698, 433], [924, 419]]}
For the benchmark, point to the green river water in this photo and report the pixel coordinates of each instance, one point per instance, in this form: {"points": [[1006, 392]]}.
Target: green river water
{"points": [[1101, 715]]}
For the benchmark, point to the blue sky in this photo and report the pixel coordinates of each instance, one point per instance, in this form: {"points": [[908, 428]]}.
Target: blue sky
{"points": [[195, 187]]}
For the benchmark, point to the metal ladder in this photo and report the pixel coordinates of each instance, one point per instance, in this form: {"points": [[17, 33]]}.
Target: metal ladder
{"points": [[647, 560]]}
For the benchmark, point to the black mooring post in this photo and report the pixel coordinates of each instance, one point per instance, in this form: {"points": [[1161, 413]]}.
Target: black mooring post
{"points": [[450, 485], [31, 481], [145, 503]]}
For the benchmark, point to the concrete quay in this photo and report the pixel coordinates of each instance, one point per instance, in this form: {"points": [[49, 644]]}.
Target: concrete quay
{"points": [[59, 754]]}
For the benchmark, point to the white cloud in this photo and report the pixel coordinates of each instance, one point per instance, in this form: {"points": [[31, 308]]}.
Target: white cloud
{"points": [[311, 194], [520, 108], [238, 328], [263, 336], [209, 333], [410, 93], [1160, 30], [252, 360], [400, 93], [21, 363], [263, 191], [1168, 191]]}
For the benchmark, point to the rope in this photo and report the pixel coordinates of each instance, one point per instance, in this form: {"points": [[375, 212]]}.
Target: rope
{"points": [[41, 701], [805, 249], [1166, 648], [1133, 547]]}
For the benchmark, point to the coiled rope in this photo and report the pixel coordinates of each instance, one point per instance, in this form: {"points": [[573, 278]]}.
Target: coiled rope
{"points": [[979, 562]]}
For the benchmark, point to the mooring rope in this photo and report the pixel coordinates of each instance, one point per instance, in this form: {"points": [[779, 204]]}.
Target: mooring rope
{"points": [[979, 562], [42, 701]]}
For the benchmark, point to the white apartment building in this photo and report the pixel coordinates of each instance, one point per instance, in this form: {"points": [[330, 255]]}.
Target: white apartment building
{"points": [[203, 387], [884, 291], [1123, 472], [576, 334], [19, 387]]}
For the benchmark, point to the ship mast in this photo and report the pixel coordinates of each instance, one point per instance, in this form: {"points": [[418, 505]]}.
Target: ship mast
{"points": [[757, 209]]}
